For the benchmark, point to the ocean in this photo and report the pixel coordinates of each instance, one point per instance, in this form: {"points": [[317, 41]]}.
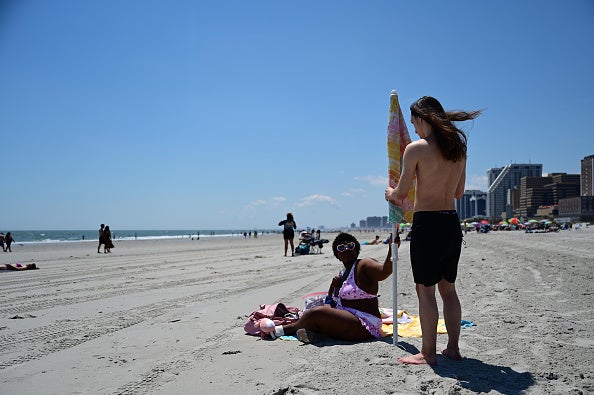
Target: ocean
{"points": [[71, 236]]}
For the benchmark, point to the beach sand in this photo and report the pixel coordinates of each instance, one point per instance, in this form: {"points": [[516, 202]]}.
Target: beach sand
{"points": [[166, 316]]}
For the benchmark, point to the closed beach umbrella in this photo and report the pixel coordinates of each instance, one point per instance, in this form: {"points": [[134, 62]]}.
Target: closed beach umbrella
{"points": [[398, 139]]}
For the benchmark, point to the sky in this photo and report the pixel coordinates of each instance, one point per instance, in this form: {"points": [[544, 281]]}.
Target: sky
{"points": [[182, 114]]}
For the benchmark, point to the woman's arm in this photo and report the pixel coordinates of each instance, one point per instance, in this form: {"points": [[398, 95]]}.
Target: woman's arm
{"points": [[377, 271], [336, 284]]}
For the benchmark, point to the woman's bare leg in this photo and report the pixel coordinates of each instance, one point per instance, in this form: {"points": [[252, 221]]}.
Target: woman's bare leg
{"points": [[338, 324]]}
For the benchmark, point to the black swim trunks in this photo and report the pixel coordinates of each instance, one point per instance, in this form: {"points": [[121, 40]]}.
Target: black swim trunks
{"points": [[435, 246]]}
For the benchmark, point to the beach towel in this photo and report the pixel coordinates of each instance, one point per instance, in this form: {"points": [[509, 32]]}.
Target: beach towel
{"points": [[410, 325], [411, 329]]}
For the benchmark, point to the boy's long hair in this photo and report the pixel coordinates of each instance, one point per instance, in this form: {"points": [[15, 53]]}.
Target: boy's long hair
{"points": [[450, 139]]}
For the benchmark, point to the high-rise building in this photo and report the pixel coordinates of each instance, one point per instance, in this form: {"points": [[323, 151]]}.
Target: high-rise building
{"points": [[472, 204], [564, 186], [587, 176], [533, 194], [576, 209], [374, 222], [501, 180], [543, 191]]}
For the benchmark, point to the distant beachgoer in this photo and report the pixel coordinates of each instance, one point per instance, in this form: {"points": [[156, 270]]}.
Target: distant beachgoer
{"points": [[2, 241], [101, 238], [18, 266], [107, 239], [376, 240], [289, 227], [8, 239], [438, 161]]}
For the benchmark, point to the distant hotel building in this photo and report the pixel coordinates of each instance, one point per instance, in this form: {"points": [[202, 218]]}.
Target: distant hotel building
{"points": [[545, 191], [580, 208], [374, 222], [472, 204], [587, 176], [502, 181]]}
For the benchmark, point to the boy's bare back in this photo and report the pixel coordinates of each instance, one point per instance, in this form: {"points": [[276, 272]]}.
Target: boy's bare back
{"points": [[439, 181]]}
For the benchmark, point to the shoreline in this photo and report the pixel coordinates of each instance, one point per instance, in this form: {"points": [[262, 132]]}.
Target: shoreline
{"points": [[166, 316]]}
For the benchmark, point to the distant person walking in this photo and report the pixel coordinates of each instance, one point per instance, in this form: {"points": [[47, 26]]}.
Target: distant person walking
{"points": [[101, 238], [107, 239], [2, 241], [289, 227], [438, 161], [8, 239]]}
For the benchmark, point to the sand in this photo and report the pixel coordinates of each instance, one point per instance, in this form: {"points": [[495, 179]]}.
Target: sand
{"points": [[167, 317]]}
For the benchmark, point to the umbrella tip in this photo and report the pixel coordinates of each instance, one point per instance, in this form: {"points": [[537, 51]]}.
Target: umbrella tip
{"points": [[393, 92]]}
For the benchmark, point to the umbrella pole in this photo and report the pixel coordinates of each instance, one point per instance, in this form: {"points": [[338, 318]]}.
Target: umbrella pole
{"points": [[394, 284]]}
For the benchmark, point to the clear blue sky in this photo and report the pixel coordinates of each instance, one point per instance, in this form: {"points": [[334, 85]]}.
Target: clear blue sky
{"points": [[227, 114]]}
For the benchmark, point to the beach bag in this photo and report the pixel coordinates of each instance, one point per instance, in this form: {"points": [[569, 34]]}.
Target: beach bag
{"points": [[278, 312], [314, 301]]}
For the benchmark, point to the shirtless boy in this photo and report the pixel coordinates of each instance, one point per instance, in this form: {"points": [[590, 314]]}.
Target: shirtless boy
{"points": [[438, 161]]}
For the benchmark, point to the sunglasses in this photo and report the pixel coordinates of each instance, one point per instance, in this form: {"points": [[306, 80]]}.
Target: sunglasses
{"points": [[346, 246]]}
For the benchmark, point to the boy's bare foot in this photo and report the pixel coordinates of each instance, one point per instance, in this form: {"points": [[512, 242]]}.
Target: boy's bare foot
{"points": [[450, 354], [418, 359]]}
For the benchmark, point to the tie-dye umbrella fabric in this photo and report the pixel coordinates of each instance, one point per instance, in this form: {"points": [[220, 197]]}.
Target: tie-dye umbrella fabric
{"points": [[398, 139], [402, 211]]}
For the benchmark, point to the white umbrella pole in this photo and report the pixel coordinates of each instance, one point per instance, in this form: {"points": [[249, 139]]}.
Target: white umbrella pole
{"points": [[394, 284]]}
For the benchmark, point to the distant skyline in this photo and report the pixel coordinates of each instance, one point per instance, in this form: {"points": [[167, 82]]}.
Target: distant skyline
{"points": [[228, 115], [481, 190]]}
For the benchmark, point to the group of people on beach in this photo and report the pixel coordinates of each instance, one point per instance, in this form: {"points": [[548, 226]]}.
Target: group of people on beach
{"points": [[438, 163], [6, 241], [105, 239]]}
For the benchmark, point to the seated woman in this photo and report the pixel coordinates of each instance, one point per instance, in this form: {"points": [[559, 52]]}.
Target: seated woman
{"points": [[18, 266], [356, 315]]}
